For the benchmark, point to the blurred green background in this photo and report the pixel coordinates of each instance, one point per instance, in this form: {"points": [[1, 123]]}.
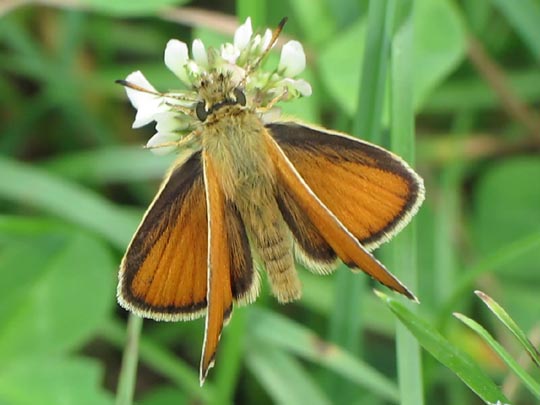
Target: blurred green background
{"points": [[74, 182]]}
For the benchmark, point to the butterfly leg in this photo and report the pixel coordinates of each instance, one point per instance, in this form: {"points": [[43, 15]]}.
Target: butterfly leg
{"points": [[177, 144]]}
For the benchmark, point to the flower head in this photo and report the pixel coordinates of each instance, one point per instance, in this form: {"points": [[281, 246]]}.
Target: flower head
{"points": [[212, 77]]}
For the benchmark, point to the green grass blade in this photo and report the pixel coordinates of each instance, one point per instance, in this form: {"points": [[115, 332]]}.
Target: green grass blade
{"points": [[527, 380], [367, 123], [440, 348], [346, 325], [281, 332], [403, 248], [511, 325]]}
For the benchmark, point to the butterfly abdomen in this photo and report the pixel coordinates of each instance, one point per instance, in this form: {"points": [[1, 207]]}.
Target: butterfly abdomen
{"points": [[272, 241]]}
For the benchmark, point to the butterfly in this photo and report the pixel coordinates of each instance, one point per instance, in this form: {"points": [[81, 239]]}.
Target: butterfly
{"points": [[249, 188]]}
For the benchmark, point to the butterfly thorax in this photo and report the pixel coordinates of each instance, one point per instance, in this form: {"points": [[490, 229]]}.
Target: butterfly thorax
{"points": [[233, 138]]}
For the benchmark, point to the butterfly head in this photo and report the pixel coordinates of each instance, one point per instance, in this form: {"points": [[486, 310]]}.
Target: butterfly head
{"points": [[230, 75]]}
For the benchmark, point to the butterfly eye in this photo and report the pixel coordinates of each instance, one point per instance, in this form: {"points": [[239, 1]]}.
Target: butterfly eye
{"points": [[240, 96], [201, 112]]}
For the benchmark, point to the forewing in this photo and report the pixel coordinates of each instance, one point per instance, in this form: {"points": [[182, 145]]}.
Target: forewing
{"points": [[373, 192], [163, 273], [332, 230]]}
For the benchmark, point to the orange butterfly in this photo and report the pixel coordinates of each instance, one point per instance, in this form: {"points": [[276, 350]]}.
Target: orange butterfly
{"points": [[252, 187]]}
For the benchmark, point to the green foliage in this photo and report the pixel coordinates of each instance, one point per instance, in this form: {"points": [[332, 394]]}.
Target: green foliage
{"points": [[74, 183], [453, 358], [435, 56], [528, 380]]}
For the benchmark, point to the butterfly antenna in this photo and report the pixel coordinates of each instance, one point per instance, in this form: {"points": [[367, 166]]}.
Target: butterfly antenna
{"points": [[273, 40], [134, 86]]}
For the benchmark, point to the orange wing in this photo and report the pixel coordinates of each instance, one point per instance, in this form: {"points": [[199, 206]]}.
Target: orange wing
{"points": [[329, 227], [163, 273], [373, 192], [220, 297]]}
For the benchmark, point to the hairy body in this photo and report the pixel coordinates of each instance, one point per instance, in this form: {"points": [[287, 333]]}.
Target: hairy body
{"points": [[235, 141]]}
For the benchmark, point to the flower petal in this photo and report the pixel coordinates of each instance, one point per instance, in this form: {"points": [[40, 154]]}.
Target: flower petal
{"points": [[243, 35], [267, 37], [137, 97], [199, 53], [293, 59], [161, 138], [176, 57], [229, 53], [170, 121], [303, 87], [147, 111]]}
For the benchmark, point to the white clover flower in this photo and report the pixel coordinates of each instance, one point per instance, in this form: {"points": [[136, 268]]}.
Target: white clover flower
{"points": [[233, 67]]}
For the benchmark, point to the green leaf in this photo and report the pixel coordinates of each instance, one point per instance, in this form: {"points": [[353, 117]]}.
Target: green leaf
{"points": [[281, 332], [38, 188], [511, 325], [439, 47], [523, 15], [527, 380], [340, 63], [440, 348], [53, 381], [283, 377], [63, 289]]}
